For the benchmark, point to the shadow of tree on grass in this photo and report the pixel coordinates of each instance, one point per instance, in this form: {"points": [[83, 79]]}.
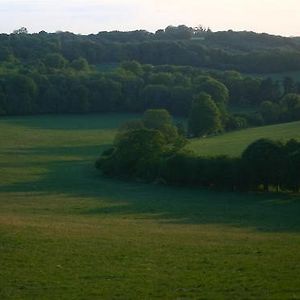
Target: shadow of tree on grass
{"points": [[79, 179]]}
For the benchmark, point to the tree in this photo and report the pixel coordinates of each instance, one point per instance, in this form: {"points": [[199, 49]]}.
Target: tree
{"points": [[22, 30], [205, 116], [132, 66], [156, 96], [157, 118], [21, 91], [217, 90], [80, 64], [289, 85], [270, 111], [161, 78], [269, 90], [161, 120], [292, 178], [181, 100], [291, 107], [79, 99], [179, 32], [263, 163], [136, 153], [236, 122], [105, 95], [55, 61]]}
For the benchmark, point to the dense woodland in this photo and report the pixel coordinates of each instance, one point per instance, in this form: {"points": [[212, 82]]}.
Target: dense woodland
{"points": [[135, 71], [182, 45]]}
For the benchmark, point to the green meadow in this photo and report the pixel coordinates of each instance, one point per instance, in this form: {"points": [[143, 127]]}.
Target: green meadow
{"points": [[234, 143], [67, 232]]}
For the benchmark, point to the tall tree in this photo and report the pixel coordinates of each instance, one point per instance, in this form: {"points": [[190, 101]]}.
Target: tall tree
{"points": [[289, 85], [205, 116], [136, 153], [263, 163]]}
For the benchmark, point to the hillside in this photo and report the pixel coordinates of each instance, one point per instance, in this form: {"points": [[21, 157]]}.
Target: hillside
{"points": [[228, 50], [66, 232], [234, 143]]}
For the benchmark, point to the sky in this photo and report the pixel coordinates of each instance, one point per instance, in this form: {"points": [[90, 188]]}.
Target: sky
{"points": [[91, 16]]}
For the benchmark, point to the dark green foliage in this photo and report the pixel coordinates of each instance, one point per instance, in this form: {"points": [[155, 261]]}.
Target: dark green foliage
{"points": [[80, 64], [179, 169], [55, 61], [18, 96], [254, 119], [148, 154], [157, 118], [156, 96], [263, 163], [205, 116], [269, 90], [179, 45], [161, 120], [133, 66], [292, 175], [216, 89], [140, 146], [181, 100], [285, 110], [236, 122], [186, 169], [136, 154], [291, 107], [289, 86], [148, 71], [271, 112], [292, 179]]}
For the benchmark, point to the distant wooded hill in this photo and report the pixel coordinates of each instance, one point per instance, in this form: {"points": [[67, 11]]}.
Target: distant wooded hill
{"points": [[181, 45]]}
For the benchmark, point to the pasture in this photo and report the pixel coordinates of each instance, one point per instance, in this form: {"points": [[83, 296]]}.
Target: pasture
{"points": [[234, 143], [66, 232]]}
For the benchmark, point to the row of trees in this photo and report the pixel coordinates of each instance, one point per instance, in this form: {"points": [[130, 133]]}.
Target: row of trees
{"points": [[181, 45], [264, 165], [285, 110], [56, 85], [153, 149]]}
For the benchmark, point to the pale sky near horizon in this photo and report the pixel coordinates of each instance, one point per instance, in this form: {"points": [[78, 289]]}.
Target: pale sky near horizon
{"points": [[92, 16]]}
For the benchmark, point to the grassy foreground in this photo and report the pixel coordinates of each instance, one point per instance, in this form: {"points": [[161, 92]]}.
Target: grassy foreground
{"points": [[68, 233]]}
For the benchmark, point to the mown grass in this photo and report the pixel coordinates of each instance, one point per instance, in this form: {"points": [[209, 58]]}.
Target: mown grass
{"points": [[68, 233], [234, 143]]}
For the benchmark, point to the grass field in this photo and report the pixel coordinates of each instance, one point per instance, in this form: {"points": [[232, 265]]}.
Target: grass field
{"points": [[68, 233], [234, 143]]}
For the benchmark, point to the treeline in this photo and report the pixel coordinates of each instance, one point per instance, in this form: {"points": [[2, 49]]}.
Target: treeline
{"points": [[57, 85], [285, 110], [181, 45], [264, 165], [152, 149]]}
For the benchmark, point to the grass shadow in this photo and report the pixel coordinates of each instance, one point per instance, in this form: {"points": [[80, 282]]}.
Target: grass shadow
{"points": [[70, 122], [79, 179]]}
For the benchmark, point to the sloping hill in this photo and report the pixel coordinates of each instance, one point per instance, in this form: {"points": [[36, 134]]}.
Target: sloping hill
{"points": [[234, 143], [66, 232]]}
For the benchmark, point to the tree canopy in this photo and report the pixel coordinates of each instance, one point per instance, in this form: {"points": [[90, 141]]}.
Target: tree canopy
{"points": [[205, 116]]}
